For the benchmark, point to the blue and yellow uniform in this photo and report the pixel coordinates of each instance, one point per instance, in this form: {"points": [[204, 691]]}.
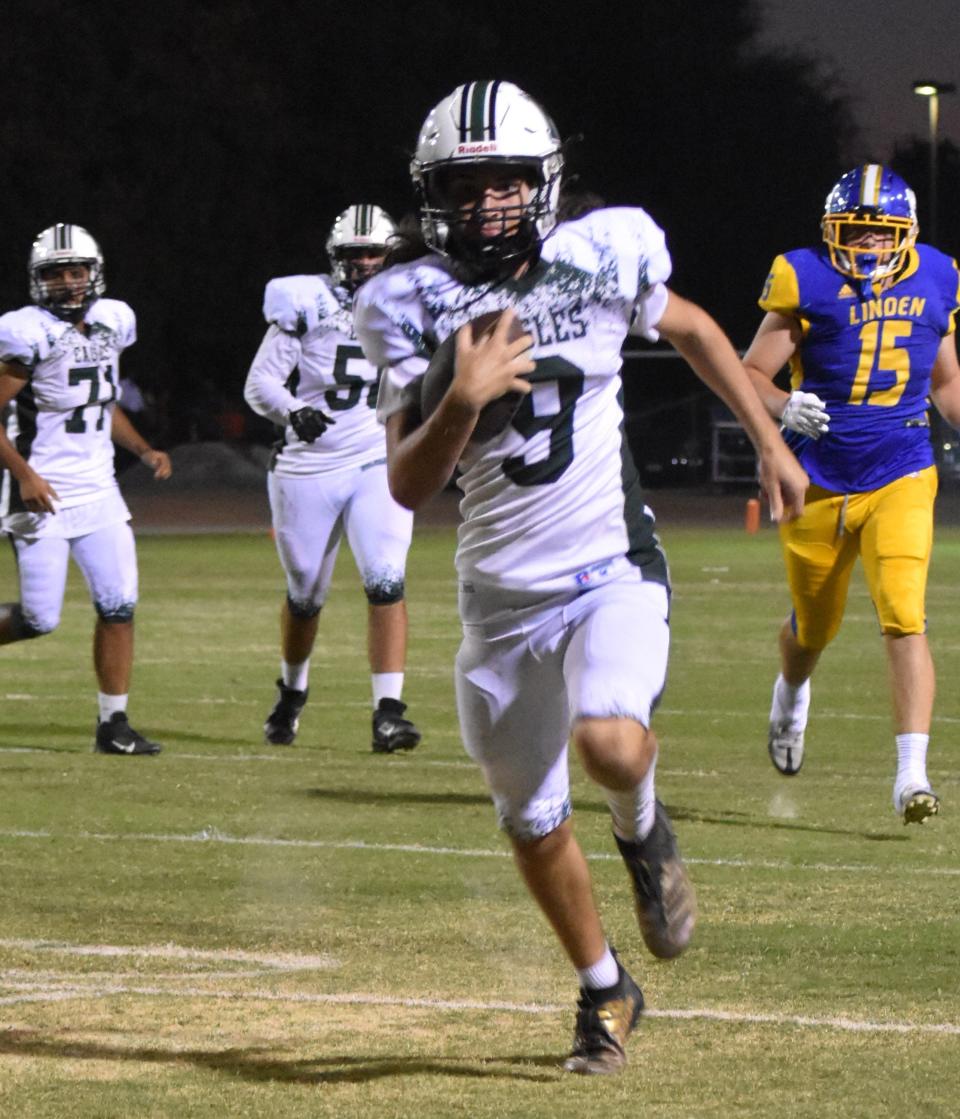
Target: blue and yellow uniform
{"points": [[867, 350]]}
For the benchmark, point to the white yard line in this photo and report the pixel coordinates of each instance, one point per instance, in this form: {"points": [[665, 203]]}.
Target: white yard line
{"points": [[282, 961], [363, 999], [214, 835]]}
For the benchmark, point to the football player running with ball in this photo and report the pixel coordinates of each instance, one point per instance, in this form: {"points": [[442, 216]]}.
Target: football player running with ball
{"points": [[59, 374], [563, 587], [328, 476], [866, 321]]}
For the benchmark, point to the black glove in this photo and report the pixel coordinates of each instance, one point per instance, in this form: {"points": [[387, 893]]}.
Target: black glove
{"points": [[309, 424]]}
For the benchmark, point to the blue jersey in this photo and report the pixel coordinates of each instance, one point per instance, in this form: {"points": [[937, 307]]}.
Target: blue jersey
{"points": [[868, 356]]}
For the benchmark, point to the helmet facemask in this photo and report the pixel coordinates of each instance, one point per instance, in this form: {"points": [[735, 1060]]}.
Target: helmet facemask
{"points": [[61, 296], [357, 245], [353, 265], [487, 129], [59, 246], [867, 263], [870, 196], [488, 243]]}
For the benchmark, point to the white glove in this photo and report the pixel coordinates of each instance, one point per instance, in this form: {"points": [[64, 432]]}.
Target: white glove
{"points": [[805, 412]]}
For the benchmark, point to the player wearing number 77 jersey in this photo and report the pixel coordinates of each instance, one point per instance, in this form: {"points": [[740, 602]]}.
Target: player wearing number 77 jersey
{"points": [[866, 322], [58, 384], [563, 585]]}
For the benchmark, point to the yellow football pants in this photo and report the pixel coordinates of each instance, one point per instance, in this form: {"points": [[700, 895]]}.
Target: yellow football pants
{"points": [[891, 529]]}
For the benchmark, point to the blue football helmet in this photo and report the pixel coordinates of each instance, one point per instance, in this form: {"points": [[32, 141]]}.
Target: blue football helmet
{"points": [[869, 197]]}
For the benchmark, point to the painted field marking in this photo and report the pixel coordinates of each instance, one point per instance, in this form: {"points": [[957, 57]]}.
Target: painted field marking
{"points": [[213, 834], [281, 961], [362, 999]]}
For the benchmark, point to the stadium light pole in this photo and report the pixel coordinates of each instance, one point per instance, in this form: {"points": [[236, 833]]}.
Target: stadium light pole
{"points": [[932, 90]]}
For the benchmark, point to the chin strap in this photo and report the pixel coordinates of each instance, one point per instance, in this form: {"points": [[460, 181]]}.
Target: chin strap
{"points": [[501, 259]]}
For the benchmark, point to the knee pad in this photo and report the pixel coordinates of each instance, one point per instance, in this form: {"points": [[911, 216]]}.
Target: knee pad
{"points": [[23, 629], [303, 607], [384, 590], [528, 823], [115, 615]]}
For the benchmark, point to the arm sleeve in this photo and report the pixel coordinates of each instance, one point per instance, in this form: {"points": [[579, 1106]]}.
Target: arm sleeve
{"points": [[647, 312], [126, 325], [118, 317], [295, 303], [266, 387], [394, 343], [18, 342], [953, 304], [781, 292], [653, 268]]}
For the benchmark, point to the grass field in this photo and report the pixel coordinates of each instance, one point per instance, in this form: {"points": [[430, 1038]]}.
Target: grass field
{"points": [[236, 930]]}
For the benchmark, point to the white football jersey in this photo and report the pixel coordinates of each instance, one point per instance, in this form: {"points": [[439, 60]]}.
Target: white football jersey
{"points": [[60, 421], [310, 356], [553, 503]]}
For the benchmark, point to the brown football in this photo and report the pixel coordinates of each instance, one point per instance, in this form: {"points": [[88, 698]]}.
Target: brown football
{"points": [[498, 413]]}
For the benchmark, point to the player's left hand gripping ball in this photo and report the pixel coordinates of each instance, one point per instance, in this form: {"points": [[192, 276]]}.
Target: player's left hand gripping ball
{"points": [[497, 414]]}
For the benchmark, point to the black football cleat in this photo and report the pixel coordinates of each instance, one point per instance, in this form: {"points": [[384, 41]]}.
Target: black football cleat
{"points": [[282, 723], [391, 731], [116, 736], [605, 1019], [666, 902]]}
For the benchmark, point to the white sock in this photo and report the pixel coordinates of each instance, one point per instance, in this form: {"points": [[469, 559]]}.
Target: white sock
{"points": [[633, 810], [911, 765], [295, 675], [386, 685], [109, 704], [790, 703], [604, 973]]}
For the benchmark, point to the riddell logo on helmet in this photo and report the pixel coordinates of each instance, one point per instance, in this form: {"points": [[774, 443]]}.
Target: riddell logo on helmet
{"points": [[475, 149]]}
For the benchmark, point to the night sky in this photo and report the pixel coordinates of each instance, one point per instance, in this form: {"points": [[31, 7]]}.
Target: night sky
{"points": [[877, 49], [209, 144]]}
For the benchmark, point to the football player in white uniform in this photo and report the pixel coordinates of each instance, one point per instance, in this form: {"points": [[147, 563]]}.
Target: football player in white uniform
{"points": [[328, 476], [58, 385], [563, 586]]}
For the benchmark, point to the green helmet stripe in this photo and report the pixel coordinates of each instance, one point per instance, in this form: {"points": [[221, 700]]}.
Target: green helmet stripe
{"points": [[477, 121]]}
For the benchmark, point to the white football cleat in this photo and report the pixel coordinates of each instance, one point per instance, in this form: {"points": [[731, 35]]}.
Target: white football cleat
{"points": [[917, 804], [785, 747]]}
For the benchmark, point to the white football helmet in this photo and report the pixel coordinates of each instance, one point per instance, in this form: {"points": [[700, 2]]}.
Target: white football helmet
{"points": [[65, 244], [487, 122], [361, 230]]}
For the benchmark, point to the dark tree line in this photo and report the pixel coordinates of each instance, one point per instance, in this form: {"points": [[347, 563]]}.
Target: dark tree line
{"points": [[912, 161], [208, 145]]}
